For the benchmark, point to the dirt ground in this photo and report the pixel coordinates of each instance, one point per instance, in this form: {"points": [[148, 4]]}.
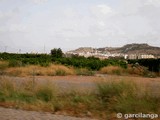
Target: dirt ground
{"points": [[65, 83], [89, 82], [13, 114]]}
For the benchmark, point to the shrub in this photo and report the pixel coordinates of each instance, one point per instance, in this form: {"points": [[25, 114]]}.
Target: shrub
{"points": [[108, 90], [60, 72], [127, 97], [26, 96], [6, 86], [84, 71], [15, 72], [56, 53], [45, 93], [112, 70], [80, 97], [15, 63], [36, 70], [152, 64], [139, 70], [135, 104], [3, 65], [45, 64]]}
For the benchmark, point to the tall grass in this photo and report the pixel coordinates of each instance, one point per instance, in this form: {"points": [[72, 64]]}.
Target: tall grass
{"points": [[30, 70], [108, 99], [127, 97], [45, 93], [26, 93], [130, 70], [52, 70], [15, 63], [112, 70], [3, 66], [84, 71], [16, 68]]}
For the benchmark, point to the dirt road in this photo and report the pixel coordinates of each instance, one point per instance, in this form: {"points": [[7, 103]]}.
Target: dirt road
{"points": [[66, 83], [13, 114]]}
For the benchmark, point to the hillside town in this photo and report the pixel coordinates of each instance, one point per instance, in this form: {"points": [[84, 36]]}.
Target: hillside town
{"points": [[130, 51], [99, 54]]}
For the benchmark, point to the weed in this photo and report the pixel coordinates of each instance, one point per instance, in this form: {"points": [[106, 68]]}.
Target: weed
{"points": [[3, 65], [60, 72], [84, 71], [112, 70], [45, 93], [51, 70], [135, 104], [57, 106], [15, 63], [110, 97], [124, 97]]}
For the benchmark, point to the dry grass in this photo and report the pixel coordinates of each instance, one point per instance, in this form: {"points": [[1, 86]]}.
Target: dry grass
{"points": [[139, 70], [130, 70], [27, 95], [61, 70], [31, 70], [3, 65], [110, 97], [112, 70], [84, 71]]}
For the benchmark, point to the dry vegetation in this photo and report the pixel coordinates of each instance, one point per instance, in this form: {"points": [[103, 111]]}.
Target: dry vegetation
{"points": [[61, 70], [111, 97], [112, 70], [51, 70], [37, 70], [130, 70]]}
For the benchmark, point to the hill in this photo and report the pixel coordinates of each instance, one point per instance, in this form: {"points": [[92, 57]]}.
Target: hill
{"points": [[126, 49], [134, 49]]}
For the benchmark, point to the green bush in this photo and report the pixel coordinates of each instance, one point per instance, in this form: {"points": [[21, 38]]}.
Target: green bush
{"points": [[90, 63], [45, 93], [152, 64], [15, 63], [25, 96], [125, 97], [84, 71], [135, 104], [108, 90]]}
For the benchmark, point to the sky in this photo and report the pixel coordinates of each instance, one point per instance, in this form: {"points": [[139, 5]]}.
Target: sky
{"points": [[41, 25]]}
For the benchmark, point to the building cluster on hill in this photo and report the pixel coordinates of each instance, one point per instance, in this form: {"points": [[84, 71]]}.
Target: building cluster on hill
{"points": [[107, 55]]}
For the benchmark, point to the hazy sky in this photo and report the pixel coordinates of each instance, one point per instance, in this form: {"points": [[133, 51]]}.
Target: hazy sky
{"points": [[29, 25]]}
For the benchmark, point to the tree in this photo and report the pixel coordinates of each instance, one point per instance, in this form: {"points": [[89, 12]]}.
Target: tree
{"points": [[56, 53]]}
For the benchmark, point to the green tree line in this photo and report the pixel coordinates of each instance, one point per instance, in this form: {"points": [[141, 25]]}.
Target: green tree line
{"points": [[57, 56]]}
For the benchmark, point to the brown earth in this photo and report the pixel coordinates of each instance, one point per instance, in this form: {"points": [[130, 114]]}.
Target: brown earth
{"points": [[66, 83], [13, 114], [88, 82]]}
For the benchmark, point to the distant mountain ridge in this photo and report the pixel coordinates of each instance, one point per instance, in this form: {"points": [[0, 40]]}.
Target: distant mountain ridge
{"points": [[133, 48]]}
